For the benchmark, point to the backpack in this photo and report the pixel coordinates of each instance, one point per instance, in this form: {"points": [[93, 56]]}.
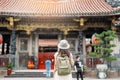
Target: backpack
{"points": [[63, 66]]}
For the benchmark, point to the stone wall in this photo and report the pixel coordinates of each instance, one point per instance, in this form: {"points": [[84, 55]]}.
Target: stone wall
{"points": [[113, 74], [110, 73], [91, 73]]}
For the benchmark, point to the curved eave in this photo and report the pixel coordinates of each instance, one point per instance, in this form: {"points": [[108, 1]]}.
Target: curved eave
{"points": [[111, 13]]}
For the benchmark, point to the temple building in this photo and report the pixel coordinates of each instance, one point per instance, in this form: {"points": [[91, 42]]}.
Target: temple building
{"points": [[31, 29]]}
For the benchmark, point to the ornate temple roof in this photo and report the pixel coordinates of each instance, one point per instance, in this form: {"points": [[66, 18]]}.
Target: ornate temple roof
{"points": [[56, 8]]}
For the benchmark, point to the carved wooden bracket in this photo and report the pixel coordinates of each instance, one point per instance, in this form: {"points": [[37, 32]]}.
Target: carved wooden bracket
{"points": [[12, 20], [66, 29], [81, 21]]}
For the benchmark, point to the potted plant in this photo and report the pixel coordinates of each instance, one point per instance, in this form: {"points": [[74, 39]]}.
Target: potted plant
{"points": [[9, 68], [103, 49]]}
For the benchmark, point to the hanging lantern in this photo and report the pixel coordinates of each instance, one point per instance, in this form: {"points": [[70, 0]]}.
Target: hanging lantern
{"points": [[95, 40], [1, 38]]}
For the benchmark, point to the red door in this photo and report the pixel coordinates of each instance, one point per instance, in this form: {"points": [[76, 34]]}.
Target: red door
{"points": [[42, 56]]}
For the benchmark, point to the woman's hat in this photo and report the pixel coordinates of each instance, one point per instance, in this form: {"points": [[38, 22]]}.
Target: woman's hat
{"points": [[63, 44]]}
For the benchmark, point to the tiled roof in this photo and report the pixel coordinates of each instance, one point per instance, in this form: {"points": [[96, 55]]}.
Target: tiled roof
{"points": [[55, 8]]}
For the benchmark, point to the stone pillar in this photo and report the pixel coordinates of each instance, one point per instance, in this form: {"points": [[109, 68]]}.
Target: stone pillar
{"points": [[13, 45], [80, 46], [13, 42], [30, 46], [13, 38], [35, 46], [84, 49], [17, 55]]}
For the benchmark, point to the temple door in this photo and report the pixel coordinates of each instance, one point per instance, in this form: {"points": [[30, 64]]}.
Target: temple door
{"points": [[47, 49]]}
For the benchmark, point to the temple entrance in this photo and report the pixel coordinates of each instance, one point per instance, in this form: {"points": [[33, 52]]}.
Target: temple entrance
{"points": [[47, 49]]}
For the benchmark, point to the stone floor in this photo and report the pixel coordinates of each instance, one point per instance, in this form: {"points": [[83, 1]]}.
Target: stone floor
{"points": [[53, 79], [43, 78]]}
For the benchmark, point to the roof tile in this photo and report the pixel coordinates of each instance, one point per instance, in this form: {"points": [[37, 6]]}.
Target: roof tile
{"points": [[49, 7]]}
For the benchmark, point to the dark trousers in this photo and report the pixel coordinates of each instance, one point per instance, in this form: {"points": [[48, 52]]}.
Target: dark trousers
{"points": [[79, 74]]}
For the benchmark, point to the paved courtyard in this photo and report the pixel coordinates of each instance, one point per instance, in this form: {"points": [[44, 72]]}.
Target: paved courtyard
{"points": [[43, 78], [53, 79]]}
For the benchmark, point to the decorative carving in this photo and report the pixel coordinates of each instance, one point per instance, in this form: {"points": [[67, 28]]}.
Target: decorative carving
{"points": [[67, 29], [97, 25], [4, 25], [31, 27], [116, 22], [81, 21], [12, 20], [27, 28]]}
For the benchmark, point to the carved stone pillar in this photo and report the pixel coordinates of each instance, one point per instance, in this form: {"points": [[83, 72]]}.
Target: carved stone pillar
{"points": [[13, 38], [13, 46], [13, 41], [80, 46]]}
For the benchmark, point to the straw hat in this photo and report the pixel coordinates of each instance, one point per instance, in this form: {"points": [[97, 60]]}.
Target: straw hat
{"points": [[63, 44]]}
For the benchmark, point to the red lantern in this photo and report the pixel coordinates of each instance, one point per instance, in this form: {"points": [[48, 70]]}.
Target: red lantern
{"points": [[30, 65], [96, 41], [1, 39]]}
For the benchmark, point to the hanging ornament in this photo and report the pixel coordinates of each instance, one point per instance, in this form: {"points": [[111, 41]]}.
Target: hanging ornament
{"points": [[1, 38]]}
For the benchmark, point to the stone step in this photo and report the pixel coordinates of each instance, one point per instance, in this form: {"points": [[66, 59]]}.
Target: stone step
{"points": [[31, 74], [16, 76]]}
